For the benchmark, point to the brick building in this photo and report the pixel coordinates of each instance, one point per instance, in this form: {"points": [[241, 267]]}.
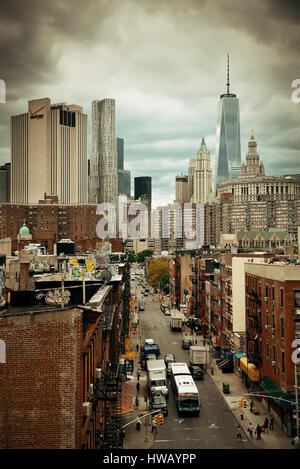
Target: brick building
{"points": [[273, 322], [50, 222], [53, 384]]}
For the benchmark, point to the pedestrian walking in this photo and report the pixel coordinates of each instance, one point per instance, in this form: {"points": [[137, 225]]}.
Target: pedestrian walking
{"points": [[137, 347], [238, 433], [138, 374], [266, 425], [271, 422], [250, 430], [138, 386], [212, 368], [258, 432], [153, 424], [251, 405]]}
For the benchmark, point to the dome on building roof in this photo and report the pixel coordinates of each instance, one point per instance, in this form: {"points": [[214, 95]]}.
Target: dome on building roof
{"points": [[24, 230]]}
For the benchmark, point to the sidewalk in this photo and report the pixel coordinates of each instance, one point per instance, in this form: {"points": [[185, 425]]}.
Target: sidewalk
{"points": [[275, 439], [135, 439]]}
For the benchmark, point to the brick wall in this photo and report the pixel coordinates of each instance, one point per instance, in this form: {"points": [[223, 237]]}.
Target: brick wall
{"points": [[40, 384]]}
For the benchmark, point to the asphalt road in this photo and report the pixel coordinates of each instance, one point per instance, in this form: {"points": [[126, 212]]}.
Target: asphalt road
{"points": [[215, 428]]}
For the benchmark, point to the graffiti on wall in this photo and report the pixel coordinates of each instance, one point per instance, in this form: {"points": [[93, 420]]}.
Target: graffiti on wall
{"points": [[54, 297]]}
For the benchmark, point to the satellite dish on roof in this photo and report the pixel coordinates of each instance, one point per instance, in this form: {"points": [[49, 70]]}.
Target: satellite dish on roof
{"points": [[105, 275]]}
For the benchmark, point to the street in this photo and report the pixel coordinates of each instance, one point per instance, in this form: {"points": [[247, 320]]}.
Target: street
{"points": [[215, 428]]}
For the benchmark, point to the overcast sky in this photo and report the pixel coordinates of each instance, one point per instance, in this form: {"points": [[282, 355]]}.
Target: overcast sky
{"points": [[165, 64]]}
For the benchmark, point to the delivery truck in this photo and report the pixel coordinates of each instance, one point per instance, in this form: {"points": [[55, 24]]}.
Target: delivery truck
{"points": [[198, 361], [157, 377], [177, 320]]}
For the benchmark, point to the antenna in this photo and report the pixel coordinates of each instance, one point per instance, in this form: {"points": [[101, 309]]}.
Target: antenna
{"points": [[228, 74]]}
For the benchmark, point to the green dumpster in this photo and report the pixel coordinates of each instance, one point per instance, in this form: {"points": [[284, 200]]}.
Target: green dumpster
{"points": [[225, 388]]}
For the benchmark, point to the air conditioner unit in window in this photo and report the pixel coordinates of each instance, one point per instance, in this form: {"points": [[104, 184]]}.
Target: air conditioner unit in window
{"points": [[266, 326], [273, 330], [91, 388], [273, 363], [266, 299], [98, 373], [86, 408]]}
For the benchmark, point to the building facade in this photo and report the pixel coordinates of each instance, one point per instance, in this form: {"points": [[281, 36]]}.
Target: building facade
{"points": [[5, 182], [202, 186], [49, 153], [143, 189], [104, 159], [228, 148], [182, 190], [273, 323]]}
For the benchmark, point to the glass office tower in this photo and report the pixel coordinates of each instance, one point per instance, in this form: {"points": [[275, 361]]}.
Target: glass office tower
{"points": [[228, 148]]}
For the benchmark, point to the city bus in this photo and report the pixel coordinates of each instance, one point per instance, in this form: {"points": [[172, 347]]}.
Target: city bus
{"points": [[185, 391]]}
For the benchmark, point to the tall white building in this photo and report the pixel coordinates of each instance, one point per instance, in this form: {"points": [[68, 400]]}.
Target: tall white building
{"points": [[104, 164], [49, 153], [202, 185]]}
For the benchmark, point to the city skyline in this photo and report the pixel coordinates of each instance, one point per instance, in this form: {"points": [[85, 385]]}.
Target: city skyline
{"points": [[154, 62]]}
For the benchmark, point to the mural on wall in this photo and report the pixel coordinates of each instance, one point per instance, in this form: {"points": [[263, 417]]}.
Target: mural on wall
{"points": [[39, 266], [75, 268], [54, 297]]}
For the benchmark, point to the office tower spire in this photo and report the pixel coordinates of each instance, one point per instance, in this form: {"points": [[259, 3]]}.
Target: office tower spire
{"points": [[202, 175], [228, 84], [228, 148]]}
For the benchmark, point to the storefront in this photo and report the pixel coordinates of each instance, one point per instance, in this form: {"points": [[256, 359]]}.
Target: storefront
{"points": [[282, 403]]}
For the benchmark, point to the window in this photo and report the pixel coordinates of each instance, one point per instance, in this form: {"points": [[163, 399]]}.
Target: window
{"points": [[267, 351], [296, 297], [274, 353], [281, 297], [273, 321], [267, 291], [282, 362], [282, 327], [273, 293]]}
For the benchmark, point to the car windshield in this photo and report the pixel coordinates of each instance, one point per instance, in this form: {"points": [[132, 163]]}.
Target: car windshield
{"points": [[169, 358], [159, 400], [158, 382]]}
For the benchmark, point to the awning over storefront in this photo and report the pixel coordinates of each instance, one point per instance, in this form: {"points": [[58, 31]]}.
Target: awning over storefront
{"points": [[249, 369], [239, 355], [280, 397]]}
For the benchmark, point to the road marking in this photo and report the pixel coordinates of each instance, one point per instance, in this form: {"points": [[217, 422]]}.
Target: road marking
{"points": [[179, 420], [163, 441], [213, 425]]}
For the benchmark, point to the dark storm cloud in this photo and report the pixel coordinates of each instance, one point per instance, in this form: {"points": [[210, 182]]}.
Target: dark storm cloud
{"points": [[165, 63]]}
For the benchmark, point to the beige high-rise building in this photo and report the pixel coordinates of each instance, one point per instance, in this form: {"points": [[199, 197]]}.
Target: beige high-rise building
{"points": [[202, 186], [49, 153], [182, 189], [192, 165]]}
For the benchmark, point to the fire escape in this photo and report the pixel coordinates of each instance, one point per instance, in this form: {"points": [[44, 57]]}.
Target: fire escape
{"points": [[254, 327], [108, 389]]}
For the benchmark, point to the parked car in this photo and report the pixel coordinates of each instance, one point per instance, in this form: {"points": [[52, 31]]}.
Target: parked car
{"points": [[141, 308], [186, 343], [197, 371], [167, 312]]}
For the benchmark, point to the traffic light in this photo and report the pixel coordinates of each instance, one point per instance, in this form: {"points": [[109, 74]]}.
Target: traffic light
{"points": [[245, 403], [159, 419]]}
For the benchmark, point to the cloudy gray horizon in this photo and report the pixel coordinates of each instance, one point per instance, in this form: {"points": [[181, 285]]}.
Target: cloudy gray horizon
{"points": [[165, 64]]}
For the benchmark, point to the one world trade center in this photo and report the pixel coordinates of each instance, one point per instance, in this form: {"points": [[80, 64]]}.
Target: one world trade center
{"points": [[228, 147]]}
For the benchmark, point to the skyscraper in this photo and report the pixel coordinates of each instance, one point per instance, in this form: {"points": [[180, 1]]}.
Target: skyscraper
{"points": [[228, 148], [182, 192], [124, 176], [49, 153], [143, 188], [104, 167], [202, 175]]}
